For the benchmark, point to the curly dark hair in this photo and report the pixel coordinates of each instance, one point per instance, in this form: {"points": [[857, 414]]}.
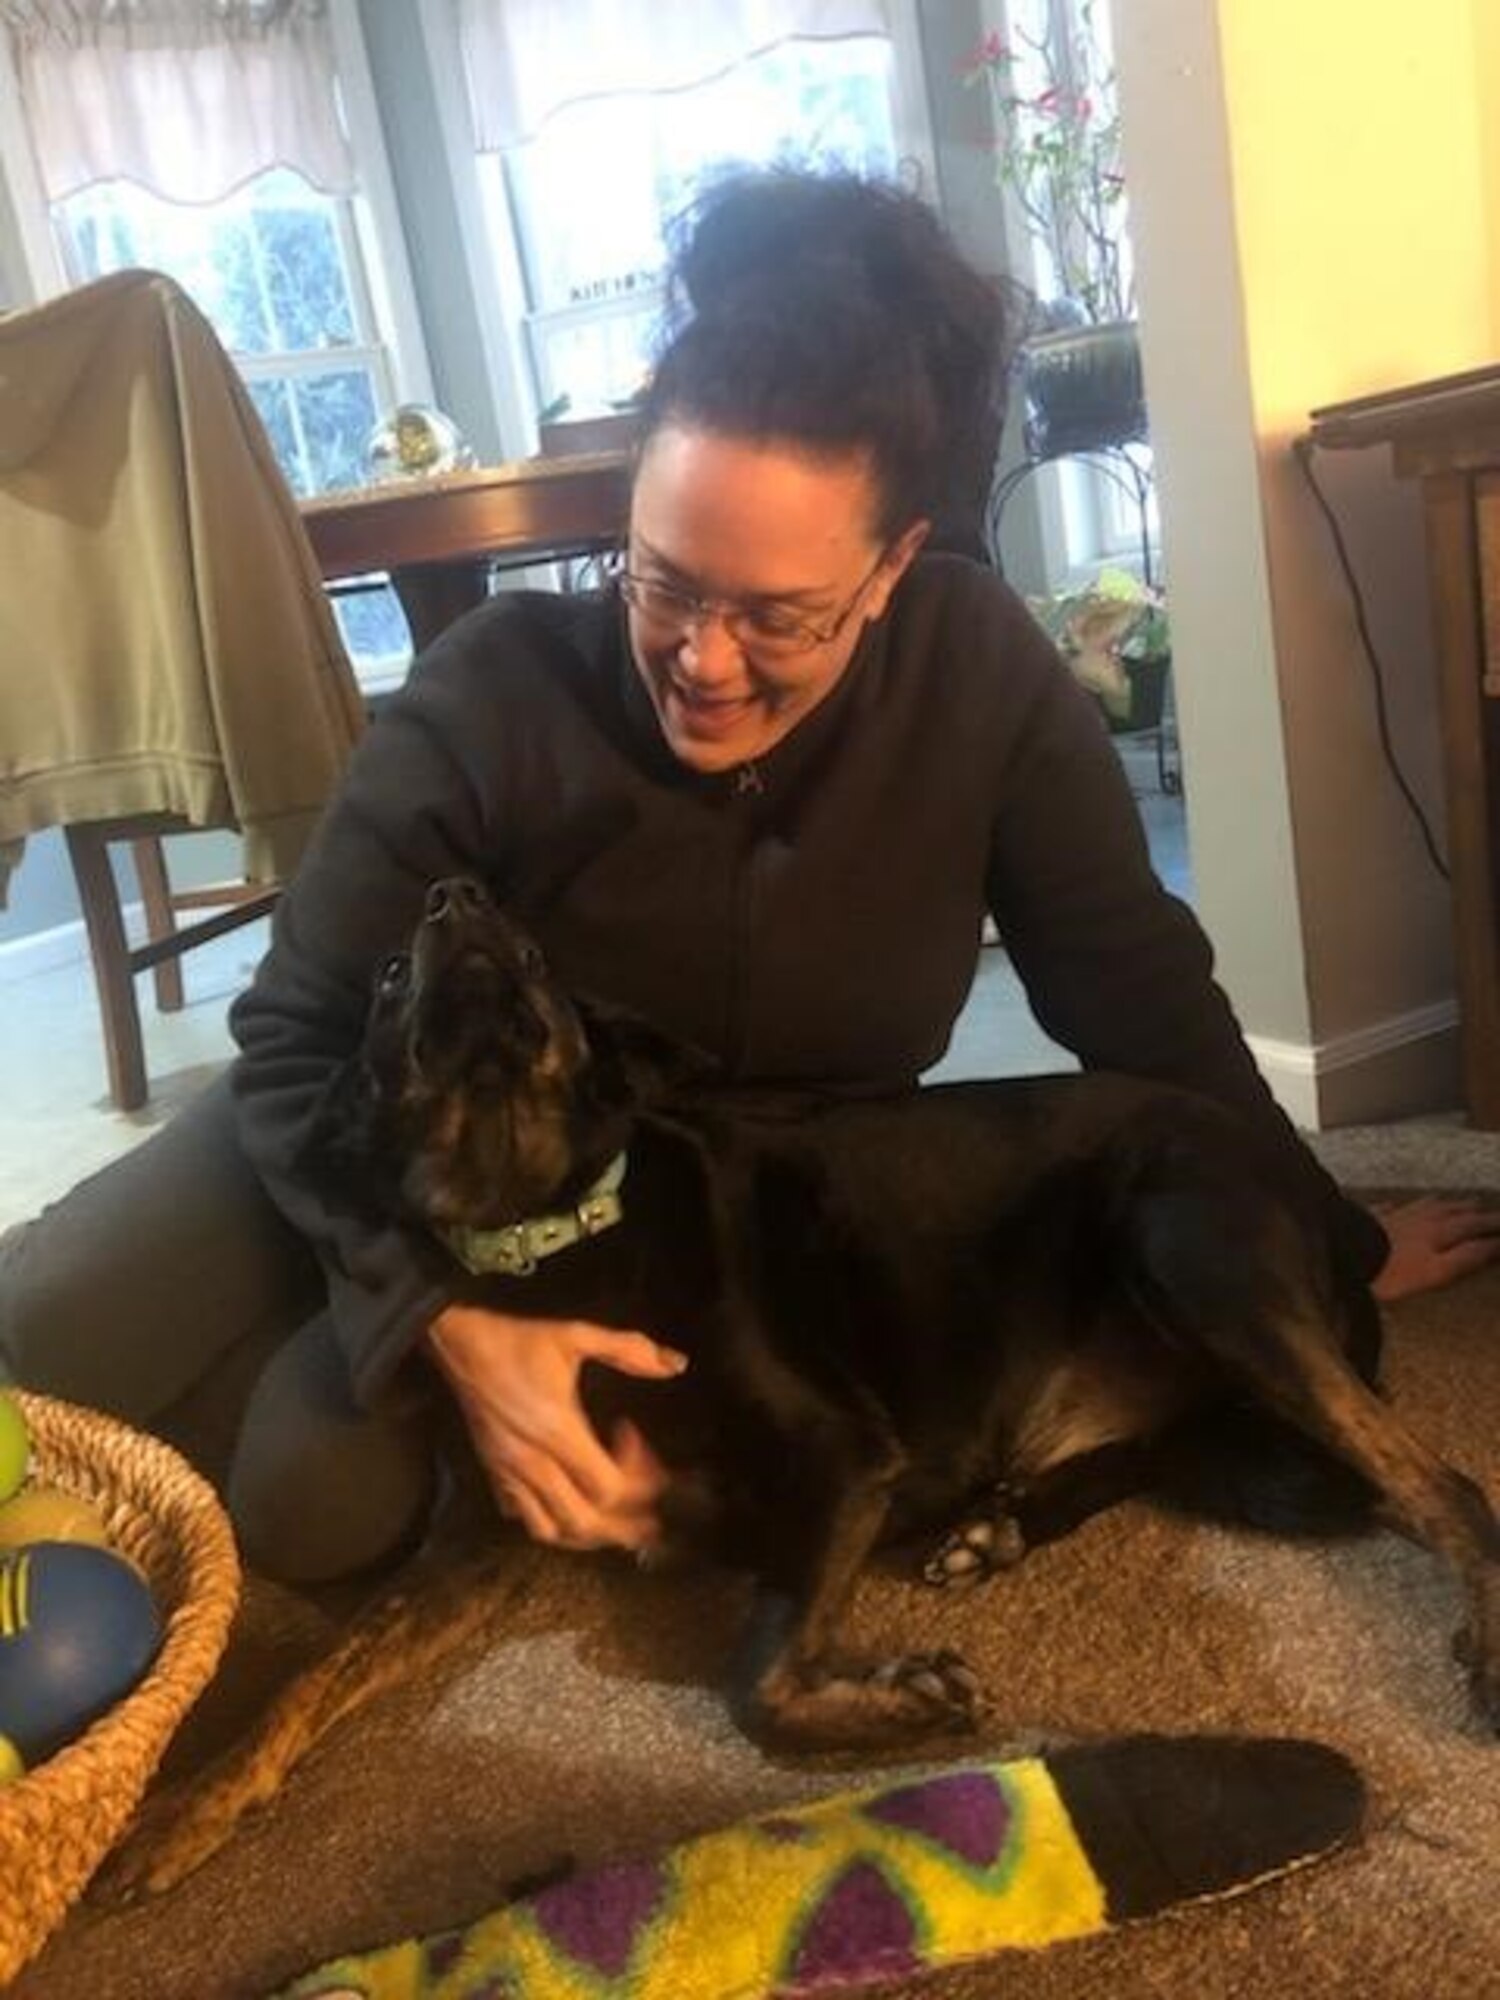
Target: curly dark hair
{"points": [[837, 315]]}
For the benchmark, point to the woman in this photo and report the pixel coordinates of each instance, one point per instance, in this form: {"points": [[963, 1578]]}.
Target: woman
{"points": [[763, 791]]}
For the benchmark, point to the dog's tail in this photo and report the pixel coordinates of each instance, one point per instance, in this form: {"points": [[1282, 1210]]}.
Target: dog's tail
{"points": [[1244, 1467]]}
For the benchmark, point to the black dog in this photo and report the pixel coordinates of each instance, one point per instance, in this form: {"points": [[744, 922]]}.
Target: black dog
{"points": [[982, 1308]]}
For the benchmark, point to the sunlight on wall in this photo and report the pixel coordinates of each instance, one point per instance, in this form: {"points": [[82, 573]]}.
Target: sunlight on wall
{"points": [[1362, 172]]}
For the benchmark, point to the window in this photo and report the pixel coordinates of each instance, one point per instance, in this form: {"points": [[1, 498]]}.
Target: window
{"points": [[275, 267], [237, 149], [592, 194]]}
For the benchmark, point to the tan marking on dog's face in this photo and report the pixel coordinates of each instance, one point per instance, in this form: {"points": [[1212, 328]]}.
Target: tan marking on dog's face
{"points": [[490, 1055]]}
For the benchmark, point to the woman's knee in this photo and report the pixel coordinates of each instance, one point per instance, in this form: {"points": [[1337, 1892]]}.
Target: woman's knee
{"points": [[124, 1293], [320, 1489]]}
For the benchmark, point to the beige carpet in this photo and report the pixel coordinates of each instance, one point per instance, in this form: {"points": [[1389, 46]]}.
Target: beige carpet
{"points": [[588, 1724]]}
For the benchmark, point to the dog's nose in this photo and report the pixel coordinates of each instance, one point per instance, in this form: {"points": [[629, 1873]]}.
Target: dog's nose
{"points": [[457, 896]]}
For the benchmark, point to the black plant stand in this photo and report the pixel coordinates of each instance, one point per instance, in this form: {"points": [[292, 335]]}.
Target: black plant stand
{"points": [[1085, 399]]}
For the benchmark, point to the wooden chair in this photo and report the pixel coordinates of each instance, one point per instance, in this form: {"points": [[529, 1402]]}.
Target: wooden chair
{"points": [[116, 961], [169, 662]]}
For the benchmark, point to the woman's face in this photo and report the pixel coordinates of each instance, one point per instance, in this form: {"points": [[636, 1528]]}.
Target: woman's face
{"points": [[752, 570]]}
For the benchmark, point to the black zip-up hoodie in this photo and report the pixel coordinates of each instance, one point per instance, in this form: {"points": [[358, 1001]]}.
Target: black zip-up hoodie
{"points": [[812, 920]]}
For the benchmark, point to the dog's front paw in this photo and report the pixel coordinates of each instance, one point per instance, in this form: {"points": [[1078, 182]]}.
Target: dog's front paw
{"points": [[941, 1688], [881, 1705], [1482, 1664], [172, 1837]]}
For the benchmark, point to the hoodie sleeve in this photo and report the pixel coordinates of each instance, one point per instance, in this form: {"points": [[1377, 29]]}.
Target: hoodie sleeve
{"points": [[1116, 969], [413, 807]]}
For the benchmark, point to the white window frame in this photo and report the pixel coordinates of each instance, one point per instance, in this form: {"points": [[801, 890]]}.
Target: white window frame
{"points": [[492, 250], [380, 274]]}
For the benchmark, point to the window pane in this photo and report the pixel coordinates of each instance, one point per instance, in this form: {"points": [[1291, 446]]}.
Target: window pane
{"points": [[266, 264], [597, 361], [268, 268], [306, 285], [596, 188], [594, 193], [273, 399], [336, 413], [375, 632]]}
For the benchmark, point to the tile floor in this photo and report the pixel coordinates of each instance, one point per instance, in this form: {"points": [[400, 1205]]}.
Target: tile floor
{"points": [[56, 1123]]}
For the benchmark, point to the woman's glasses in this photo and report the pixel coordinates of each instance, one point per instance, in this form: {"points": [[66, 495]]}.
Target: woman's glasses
{"points": [[764, 627]]}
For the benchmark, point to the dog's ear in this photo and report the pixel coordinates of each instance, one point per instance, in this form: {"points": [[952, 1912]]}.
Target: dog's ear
{"points": [[342, 1139], [634, 1063]]}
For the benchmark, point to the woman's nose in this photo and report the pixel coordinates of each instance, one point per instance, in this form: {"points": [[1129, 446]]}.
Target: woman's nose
{"points": [[709, 650]]}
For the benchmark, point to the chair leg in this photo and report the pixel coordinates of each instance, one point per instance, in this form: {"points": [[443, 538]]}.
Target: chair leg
{"points": [[156, 896], [124, 1055]]}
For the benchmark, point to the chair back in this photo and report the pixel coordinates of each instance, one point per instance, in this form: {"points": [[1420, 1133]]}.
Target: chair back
{"points": [[166, 646]]}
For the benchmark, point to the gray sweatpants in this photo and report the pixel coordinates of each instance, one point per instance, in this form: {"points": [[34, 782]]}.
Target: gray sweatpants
{"points": [[169, 1290]]}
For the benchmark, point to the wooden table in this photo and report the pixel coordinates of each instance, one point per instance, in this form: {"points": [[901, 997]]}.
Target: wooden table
{"points": [[439, 537], [1447, 435]]}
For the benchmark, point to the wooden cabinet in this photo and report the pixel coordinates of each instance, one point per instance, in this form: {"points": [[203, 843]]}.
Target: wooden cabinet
{"points": [[1446, 434]]}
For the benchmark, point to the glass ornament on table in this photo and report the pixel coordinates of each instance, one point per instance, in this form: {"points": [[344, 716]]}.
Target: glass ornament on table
{"points": [[416, 441]]}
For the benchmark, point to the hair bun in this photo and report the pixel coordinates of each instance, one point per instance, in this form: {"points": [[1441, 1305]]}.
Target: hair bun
{"points": [[777, 229], [837, 313]]}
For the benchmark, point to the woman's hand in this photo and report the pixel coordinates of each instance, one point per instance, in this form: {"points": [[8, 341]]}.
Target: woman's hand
{"points": [[516, 1381], [1433, 1241]]}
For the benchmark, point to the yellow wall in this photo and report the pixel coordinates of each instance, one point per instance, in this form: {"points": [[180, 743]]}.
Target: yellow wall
{"points": [[1487, 70], [1365, 152]]}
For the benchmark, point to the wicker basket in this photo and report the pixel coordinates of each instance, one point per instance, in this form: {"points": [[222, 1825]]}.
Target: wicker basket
{"points": [[59, 1822]]}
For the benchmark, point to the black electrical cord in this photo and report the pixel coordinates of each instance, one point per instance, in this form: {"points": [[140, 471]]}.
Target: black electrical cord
{"points": [[1302, 451]]}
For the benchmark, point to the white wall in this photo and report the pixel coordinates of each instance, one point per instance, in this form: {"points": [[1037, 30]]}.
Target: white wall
{"points": [[1313, 220]]}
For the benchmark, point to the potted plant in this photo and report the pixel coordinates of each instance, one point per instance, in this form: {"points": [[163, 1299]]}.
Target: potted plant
{"points": [[1113, 633], [1058, 154]]}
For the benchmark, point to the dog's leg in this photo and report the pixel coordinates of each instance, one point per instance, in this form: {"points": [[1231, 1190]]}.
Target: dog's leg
{"points": [[796, 1688], [435, 1609], [1419, 1495], [1244, 1289]]}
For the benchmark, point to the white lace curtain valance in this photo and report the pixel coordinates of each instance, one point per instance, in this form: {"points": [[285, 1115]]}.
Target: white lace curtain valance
{"points": [[526, 59], [190, 98]]}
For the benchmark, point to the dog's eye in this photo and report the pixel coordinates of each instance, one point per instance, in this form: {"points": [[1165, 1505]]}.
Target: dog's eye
{"points": [[394, 973]]}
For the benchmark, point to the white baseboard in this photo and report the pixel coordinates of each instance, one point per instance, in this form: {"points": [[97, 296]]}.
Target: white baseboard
{"points": [[63, 944], [1349, 1079]]}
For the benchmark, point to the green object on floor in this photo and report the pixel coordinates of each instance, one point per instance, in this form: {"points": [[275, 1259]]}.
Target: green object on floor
{"points": [[893, 1880]]}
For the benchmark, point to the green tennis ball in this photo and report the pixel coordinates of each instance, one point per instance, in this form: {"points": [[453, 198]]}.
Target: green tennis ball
{"points": [[48, 1514], [11, 1766], [14, 1446]]}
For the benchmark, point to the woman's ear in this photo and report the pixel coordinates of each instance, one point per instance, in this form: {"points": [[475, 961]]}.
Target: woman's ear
{"points": [[898, 559]]}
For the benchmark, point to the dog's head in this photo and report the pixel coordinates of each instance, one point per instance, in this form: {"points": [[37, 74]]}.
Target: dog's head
{"points": [[485, 1093]]}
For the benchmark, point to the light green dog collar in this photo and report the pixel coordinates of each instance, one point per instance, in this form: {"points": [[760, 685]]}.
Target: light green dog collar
{"points": [[516, 1250]]}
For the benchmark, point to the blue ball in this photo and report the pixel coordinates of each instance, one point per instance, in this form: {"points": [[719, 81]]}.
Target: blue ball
{"points": [[78, 1628]]}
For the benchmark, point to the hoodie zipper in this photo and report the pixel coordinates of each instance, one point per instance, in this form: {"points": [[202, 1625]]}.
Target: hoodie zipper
{"points": [[748, 783]]}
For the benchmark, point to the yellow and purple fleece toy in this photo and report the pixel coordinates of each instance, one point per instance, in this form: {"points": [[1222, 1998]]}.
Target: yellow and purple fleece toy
{"points": [[892, 1881]]}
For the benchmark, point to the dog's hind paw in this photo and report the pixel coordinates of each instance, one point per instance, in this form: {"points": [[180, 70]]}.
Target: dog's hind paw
{"points": [[975, 1549]]}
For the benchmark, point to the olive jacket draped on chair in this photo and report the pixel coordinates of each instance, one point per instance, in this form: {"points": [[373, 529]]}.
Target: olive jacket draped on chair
{"points": [[165, 642]]}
